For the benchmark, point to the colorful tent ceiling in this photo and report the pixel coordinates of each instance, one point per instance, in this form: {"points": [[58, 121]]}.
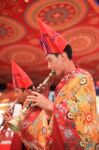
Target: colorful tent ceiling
{"points": [[76, 20]]}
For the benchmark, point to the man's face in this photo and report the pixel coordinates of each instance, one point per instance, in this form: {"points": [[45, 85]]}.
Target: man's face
{"points": [[55, 63], [20, 95]]}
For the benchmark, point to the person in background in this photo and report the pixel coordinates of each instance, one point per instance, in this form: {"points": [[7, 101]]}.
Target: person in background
{"points": [[73, 124], [21, 82]]}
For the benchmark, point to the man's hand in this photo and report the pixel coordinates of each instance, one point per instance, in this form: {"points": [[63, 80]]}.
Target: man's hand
{"points": [[7, 117], [40, 101]]}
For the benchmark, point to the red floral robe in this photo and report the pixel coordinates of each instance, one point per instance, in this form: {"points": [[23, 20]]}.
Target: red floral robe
{"points": [[74, 124], [75, 119]]}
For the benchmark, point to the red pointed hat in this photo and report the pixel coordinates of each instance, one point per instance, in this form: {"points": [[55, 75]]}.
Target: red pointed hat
{"points": [[52, 41], [20, 78]]}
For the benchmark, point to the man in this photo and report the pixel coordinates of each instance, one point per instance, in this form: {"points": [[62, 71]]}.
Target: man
{"points": [[74, 121]]}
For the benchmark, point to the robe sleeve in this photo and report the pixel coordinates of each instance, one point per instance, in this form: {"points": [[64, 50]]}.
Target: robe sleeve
{"points": [[86, 120], [75, 114]]}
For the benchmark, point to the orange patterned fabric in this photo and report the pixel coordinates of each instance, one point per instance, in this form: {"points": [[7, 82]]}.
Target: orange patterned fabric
{"points": [[34, 129], [74, 124]]}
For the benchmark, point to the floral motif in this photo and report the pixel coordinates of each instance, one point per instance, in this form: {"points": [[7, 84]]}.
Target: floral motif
{"points": [[44, 131], [69, 115], [68, 133], [88, 117], [83, 81]]}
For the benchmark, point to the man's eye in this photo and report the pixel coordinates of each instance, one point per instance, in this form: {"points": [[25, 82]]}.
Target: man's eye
{"points": [[49, 60]]}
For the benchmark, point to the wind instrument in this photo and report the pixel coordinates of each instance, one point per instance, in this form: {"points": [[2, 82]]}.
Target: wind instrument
{"points": [[3, 125], [9, 111], [15, 122]]}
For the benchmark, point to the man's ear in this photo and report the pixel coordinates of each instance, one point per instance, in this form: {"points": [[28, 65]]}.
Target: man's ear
{"points": [[63, 55]]}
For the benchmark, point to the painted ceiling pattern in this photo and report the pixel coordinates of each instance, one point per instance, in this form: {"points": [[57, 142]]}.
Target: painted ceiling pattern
{"points": [[76, 20]]}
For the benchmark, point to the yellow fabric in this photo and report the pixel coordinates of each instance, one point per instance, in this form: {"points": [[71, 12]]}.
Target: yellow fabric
{"points": [[39, 128], [37, 131], [81, 101]]}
